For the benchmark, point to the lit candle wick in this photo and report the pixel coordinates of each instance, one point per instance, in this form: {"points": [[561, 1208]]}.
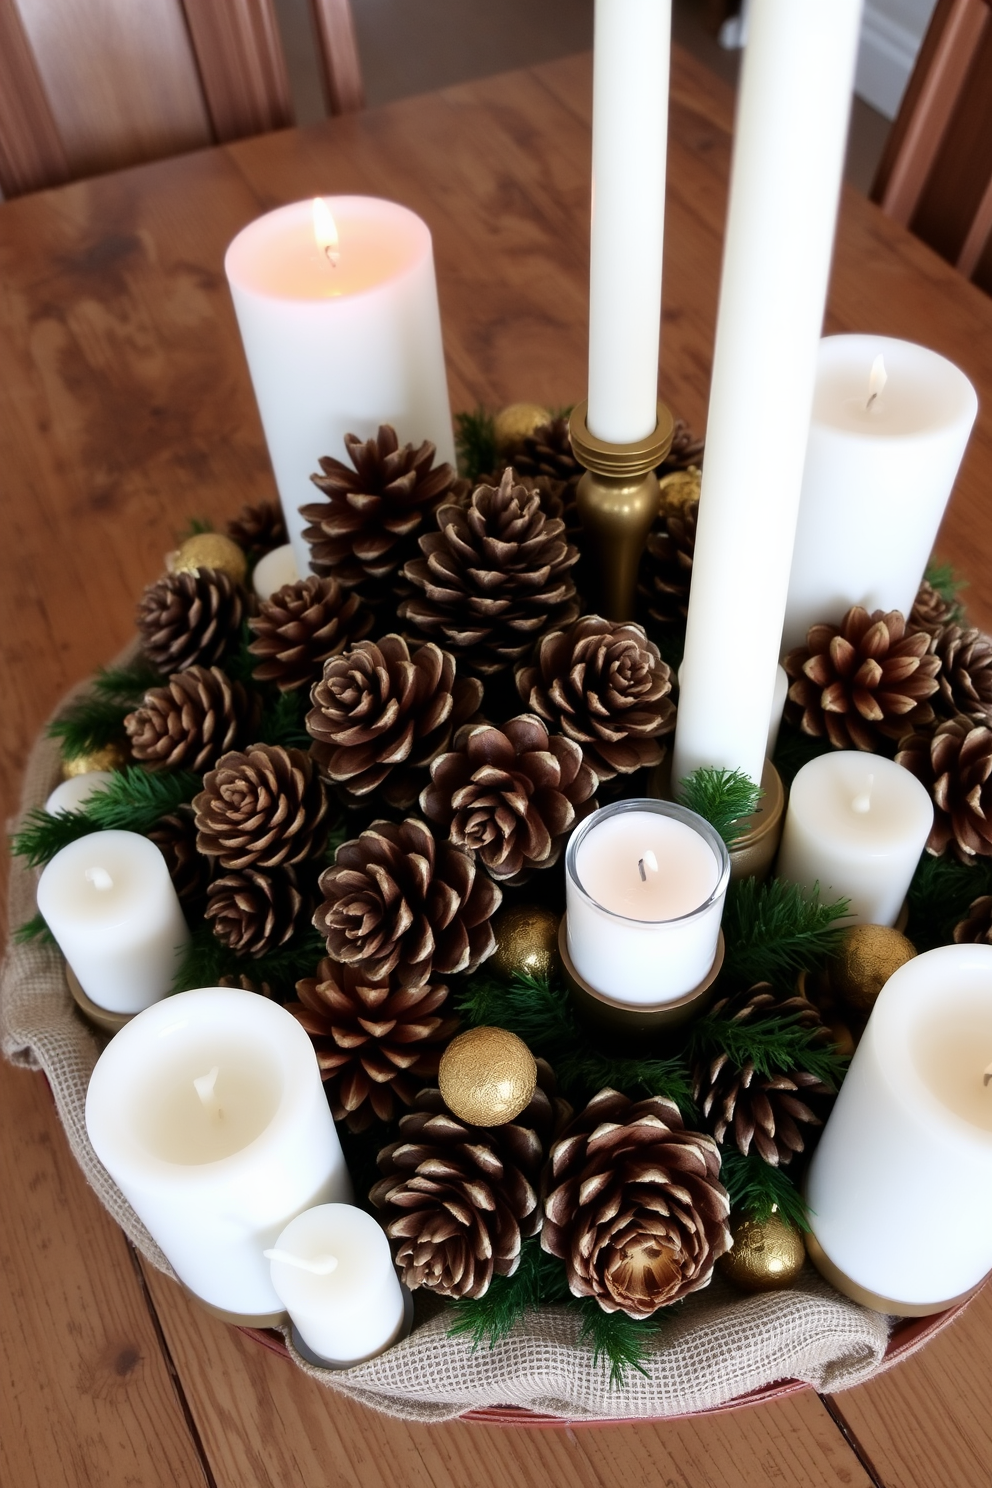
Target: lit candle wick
{"points": [[988, 1075], [325, 231], [877, 379], [99, 878], [862, 803], [319, 1266], [205, 1087], [648, 860]]}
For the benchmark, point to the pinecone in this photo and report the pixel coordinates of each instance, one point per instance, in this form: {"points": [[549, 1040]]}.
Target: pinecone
{"points": [[965, 678], [376, 1042], [258, 529], [976, 927], [245, 983], [190, 619], [300, 627], [459, 1199], [745, 1108], [380, 715], [930, 609], [367, 528], [265, 808], [253, 912], [512, 795], [635, 1207], [686, 450], [666, 571], [867, 677], [190, 722], [546, 455], [955, 765], [606, 687], [493, 578], [191, 871]]}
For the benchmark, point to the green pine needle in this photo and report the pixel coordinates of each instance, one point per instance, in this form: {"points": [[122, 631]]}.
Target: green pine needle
{"points": [[721, 797], [475, 440], [940, 895], [538, 1280], [775, 929], [135, 799], [206, 959], [620, 1340], [34, 929], [42, 836], [759, 1190], [941, 576], [127, 684], [283, 720], [194, 527], [795, 749], [89, 724], [774, 1045]]}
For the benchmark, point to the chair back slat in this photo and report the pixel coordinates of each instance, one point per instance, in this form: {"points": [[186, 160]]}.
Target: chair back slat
{"points": [[241, 65], [337, 50], [31, 153]]}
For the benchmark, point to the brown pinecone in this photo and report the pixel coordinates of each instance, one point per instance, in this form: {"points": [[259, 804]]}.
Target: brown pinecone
{"points": [[459, 1199], [376, 1042], [686, 450], [606, 687], [930, 609], [368, 526], [955, 765], [510, 794], [259, 528], [976, 927], [406, 906], [965, 678], [493, 578], [745, 1108], [191, 871], [190, 722], [635, 1207], [300, 627], [867, 677], [254, 912], [380, 715], [190, 619], [265, 808], [245, 983], [666, 571], [546, 455]]}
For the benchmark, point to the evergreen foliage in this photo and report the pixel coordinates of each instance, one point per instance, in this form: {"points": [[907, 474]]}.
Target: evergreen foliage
{"points": [[42, 836], [90, 723], [721, 797], [758, 1190], [475, 441], [939, 897], [133, 801], [206, 959], [941, 576], [283, 719], [775, 929], [795, 749], [620, 1340], [127, 683], [773, 1045], [34, 929]]}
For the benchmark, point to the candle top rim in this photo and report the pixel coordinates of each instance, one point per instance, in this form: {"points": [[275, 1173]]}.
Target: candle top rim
{"points": [[925, 392]]}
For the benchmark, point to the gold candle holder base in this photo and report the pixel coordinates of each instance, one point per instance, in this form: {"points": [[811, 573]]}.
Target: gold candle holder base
{"points": [[843, 1283], [753, 854], [101, 1018], [238, 1319]]}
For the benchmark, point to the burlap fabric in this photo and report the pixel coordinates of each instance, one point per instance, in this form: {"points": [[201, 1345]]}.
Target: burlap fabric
{"points": [[715, 1347]]}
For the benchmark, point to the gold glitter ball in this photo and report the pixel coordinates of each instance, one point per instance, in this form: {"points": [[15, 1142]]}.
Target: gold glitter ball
{"points": [[487, 1076], [680, 488], [111, 757], [526, 941], [518, 422], [868, 956], [765, 1256], [210, 550]]}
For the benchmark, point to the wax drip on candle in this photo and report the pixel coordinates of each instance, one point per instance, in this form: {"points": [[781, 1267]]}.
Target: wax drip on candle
{"points": [[325, 231], [648, 861], [877, 378], [99, 878], [205, 1087], [318, 1266], [862, 803]]}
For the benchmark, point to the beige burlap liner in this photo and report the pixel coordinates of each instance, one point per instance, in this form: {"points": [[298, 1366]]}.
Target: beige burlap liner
{"points": [[716, 1347]]}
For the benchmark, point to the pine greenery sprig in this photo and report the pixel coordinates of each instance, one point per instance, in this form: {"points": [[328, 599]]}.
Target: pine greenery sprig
{"points": [[127, 683], [35, 928], [940, 895], [134, 799], [721, 797], [941, 576], [775, 929], [758, 1190], [475, 440], [89, 724], [206, 959], [282, 719], [619, 1340], [774, 1045], [795, 749], [42, 836], [538, 1280]]}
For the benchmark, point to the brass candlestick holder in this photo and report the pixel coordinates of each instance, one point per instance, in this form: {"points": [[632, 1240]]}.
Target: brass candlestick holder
{"points": [[618, 499]]}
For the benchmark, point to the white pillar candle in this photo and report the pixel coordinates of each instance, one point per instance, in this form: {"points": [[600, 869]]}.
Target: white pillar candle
{"points": [[916, 1106], [110, 904], [341, 336], [890, 425], [632, 46], [778, 708], [645, 883], [334, 1271], [856, 825], [76, 791], [209, 1113], [275, 570], [792, 114]]}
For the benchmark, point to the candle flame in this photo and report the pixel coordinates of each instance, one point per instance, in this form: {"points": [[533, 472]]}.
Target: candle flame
{"points": [[204, 1086], [862, 803], [319, 1266], [325, 231], [99, 878], [877, 378]]}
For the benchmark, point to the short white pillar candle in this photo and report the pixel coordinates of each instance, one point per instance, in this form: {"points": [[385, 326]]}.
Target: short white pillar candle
{"points": [[275, 570], [73, 793], [334, 1271], [645, 883], [109, 902], [209, 1113]]}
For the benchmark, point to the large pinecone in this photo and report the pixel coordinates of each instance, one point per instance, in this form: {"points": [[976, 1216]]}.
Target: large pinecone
{"points": [[745, 1108], [635, 1207], [190, 722], [459, 1199], [405, 906], [190, 619], [606, 687], [265, 808], [300, 627], [686, 450], [976, 927], [493, 578], [377, 1043], [259, 528], [930, 609], [380, 715], [191, 871], [965, 678], [254, 912], [546, 455], [866, 678], [666, 570], [512, 795], [955, 764]]}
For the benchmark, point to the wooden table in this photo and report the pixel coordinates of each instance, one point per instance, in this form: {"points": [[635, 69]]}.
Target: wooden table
{"points": [[125, 408]]}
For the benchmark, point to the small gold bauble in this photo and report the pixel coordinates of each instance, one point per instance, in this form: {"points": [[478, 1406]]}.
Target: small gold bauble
{"points": [[487, 1076], [680, 488], [765, 1256], [526, 941], [842, 1038], [868, 956], [210, 550], [111, 757], [518, 422]]}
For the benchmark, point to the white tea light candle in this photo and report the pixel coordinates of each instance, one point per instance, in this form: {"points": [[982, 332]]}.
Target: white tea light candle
{"points": [[275, 570], [73, 793]]}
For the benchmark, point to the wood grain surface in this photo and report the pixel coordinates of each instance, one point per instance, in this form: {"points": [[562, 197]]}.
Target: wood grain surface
{"points": [[125, 408]]}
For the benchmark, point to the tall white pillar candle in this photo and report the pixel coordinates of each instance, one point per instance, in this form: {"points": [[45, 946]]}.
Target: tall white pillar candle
{"points": [[339, 338], [629, 140], [208, 1112], [792, 114], [856, 825], [890, 424], [916, 1105], [110, 904]]}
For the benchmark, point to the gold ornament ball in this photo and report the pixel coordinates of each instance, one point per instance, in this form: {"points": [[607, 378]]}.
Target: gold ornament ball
{"points": [[867, 958], [680, 488], [526, 941], [210, 550], [765, 1256], [487, 1076], [111, 757], [518, 422]]}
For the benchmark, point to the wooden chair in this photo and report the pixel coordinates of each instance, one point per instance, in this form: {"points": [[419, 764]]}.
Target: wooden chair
{"points": [[935, 176], [91, 85]]}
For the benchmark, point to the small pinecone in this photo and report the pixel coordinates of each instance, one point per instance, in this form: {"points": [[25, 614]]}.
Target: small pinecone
{"points": [[686, 450], [300, 627], [254, 913], [768, 1112], [243, 983], [930, 609], [191, 871], [493, 578], [376, 1043], [406, 906], [635, 1207], [510, 794], [368, 526], [459, 1199], [666, 572], [965, 679], [190, 722], [265, 808], [867, 677], [380, 715], [190, 619], [955, 764], [976, 927], [259, 528], [547, 455], [606, 687]]}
